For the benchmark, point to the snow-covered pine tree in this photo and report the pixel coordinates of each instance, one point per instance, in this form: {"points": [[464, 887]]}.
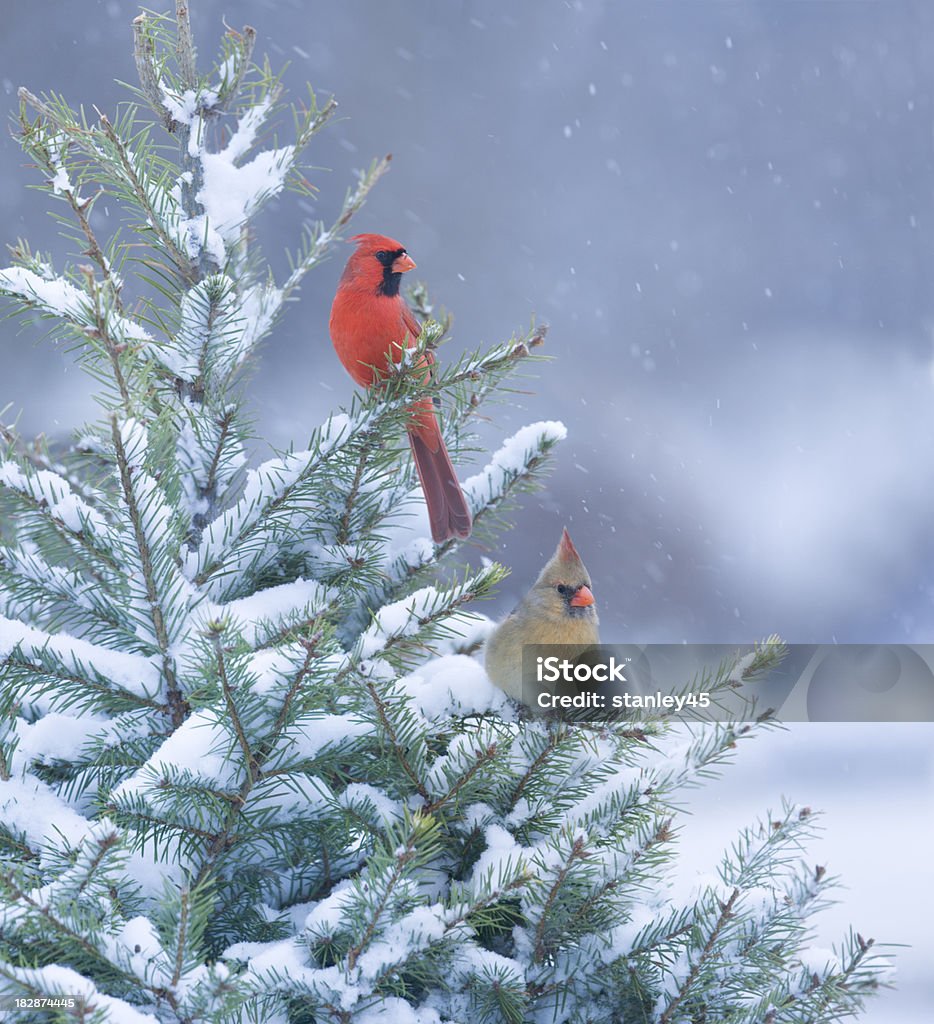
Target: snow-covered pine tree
{"points": [[245, 773]]}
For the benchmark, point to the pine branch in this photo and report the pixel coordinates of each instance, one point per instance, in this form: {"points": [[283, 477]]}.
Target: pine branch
{"points": [[483, 757], [726, 913], [79, 669], [180, 260], [240, 47], [248, 758], [255, 760], [178, 706], [58, 924], [84, 311], [576, 853], [400, 749], [144, 54], [45, 499]]}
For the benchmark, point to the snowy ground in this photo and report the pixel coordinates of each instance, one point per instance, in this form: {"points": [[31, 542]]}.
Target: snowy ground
{"points": [[875, 785]]}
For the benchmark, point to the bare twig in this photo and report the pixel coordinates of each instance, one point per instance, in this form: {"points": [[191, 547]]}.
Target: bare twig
{"points": [[185, 47], [144, 53]]}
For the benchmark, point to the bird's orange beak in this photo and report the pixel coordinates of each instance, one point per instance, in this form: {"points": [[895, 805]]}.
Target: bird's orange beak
{"points": [[582, 598], [403, 263]]}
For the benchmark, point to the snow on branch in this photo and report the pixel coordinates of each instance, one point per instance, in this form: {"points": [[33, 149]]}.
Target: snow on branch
{"points": [[52, 294], [58, 297], [52, 495], [422, 615], [159, 592], [218, 329], [269, 614], [29, 807], [48, 593], [516, 458], [235, 541], [77, 662]]}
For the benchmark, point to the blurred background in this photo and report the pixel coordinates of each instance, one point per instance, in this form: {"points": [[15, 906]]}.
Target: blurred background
{"points": [[725, 212]]}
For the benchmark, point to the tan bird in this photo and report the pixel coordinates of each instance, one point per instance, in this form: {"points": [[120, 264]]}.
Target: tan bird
{"points": [[559, 609]]}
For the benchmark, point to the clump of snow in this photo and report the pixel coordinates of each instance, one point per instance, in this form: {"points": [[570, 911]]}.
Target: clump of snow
{"points": [[742, 666], [201, 745], [30, 807], [453, 685], [503, 857], [137, 948], [313, 733], [393, 1010], [819, 959], [61, 183], [264, 612], [57, 147], [247, 127], [56, 295], [285, 958], [230, 194], [197, 234], [329, 914], [412, 933], [54, 736]]}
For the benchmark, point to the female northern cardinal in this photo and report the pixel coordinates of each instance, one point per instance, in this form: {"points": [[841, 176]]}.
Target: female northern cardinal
{"points": [[559, 609], [371, 325]]}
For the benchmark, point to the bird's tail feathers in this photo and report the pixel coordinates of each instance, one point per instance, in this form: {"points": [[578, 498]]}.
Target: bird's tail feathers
{"points": [[448, 513]]}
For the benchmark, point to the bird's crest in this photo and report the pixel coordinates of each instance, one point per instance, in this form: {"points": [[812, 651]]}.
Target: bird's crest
{"points": [[566, 551], [373, 243], [565, 565]]}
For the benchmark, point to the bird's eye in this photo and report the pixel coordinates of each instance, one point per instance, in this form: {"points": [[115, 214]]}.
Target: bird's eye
{"points": [[381, 255], [563, 590]]}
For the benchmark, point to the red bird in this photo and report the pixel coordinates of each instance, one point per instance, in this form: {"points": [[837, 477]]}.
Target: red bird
{"points": [[371, 323]]}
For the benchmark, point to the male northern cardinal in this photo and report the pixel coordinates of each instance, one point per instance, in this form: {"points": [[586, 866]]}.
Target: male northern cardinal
{"points": [[371, 325], [559, 609]]}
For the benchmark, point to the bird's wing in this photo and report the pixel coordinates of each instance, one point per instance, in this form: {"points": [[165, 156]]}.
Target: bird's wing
{"points": [[411, 322]]}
